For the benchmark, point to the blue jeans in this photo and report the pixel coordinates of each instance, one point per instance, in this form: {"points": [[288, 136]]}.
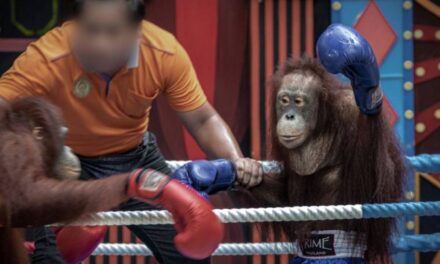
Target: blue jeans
{"points": [[159, 238]]}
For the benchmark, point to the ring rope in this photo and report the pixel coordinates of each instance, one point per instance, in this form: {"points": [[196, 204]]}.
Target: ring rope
{"points": [[282, 214], [425, 163], [429, 163], [230, 249], [423, 243], [268, 166]]}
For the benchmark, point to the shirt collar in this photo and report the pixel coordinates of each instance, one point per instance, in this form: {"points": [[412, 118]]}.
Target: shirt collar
{"points": [[133, 61]]}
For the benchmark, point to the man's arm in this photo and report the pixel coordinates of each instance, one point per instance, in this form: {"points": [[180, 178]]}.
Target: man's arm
{"points": [[211, 132], [216, 139], [186, 97]]}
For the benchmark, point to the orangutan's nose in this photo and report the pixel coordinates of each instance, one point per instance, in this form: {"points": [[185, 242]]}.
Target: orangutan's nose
{"points": [[290, 116]]}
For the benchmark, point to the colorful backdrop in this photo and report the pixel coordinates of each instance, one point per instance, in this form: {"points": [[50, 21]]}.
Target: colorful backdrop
{"points": [[236, 45]]}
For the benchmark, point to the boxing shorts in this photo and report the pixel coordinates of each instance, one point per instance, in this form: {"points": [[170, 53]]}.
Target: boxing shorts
{"points": [[331, 247]]}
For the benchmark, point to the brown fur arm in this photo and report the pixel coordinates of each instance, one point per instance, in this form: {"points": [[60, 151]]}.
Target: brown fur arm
{"points": [[270, 192], [48, 200], [346, 104]]}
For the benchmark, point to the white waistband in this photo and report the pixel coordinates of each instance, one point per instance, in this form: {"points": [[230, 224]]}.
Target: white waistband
{"points": [[328, 244]]}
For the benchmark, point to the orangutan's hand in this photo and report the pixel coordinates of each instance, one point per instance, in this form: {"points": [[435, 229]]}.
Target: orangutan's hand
{"points": [[249, 172]]}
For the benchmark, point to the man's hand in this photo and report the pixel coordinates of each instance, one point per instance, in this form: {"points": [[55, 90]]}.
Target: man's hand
{"points": [[249, 172]]}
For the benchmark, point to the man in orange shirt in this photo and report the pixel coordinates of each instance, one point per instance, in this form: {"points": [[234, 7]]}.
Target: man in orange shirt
{"points": [[104, 69]]}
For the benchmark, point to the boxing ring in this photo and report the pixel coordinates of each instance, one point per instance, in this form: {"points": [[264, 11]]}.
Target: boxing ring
{"points": [[423, 243], [406, 243]]}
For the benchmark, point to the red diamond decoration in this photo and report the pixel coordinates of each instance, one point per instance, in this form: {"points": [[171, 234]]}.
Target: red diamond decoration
{"points": [[373, 25], [375, 28]]}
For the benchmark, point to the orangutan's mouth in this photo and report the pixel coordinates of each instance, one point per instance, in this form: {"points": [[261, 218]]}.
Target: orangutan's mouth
{"points": [[288, 138]]}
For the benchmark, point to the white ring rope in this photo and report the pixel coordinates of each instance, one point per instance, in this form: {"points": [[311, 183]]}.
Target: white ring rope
{"points": [[229, 249], [268, 166], [298, 213], [407, 243]]}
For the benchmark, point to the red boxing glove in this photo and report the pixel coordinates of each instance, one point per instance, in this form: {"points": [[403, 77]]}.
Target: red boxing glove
{"points": [[29, 246], [78, 243], [199, 231]]}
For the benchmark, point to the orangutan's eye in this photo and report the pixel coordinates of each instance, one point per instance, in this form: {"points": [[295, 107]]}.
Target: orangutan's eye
{"points": [[285, 100], [38, 133], [299, 102]]}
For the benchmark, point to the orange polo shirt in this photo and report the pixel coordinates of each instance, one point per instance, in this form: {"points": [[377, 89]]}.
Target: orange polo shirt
{"points": [[103, 122]]}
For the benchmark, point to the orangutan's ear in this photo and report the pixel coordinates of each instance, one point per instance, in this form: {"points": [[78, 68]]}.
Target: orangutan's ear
{"points": [[43, 118], [38, 132]]}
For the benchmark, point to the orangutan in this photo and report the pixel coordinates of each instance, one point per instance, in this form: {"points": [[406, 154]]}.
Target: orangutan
{"points": [[332, 154], [31, 191], [34, 191], [32, 144]]}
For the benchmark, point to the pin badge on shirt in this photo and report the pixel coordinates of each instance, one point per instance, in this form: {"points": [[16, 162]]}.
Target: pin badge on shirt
{"points": [[82, 88]]}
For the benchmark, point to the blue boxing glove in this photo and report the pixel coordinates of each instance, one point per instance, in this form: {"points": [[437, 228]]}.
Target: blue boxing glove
{"points": [[207, 177], [343, 50]]}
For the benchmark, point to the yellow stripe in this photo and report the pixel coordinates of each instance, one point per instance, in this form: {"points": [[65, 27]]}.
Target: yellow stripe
{"points": [[431, 179], [30, 32], [430, 6]]}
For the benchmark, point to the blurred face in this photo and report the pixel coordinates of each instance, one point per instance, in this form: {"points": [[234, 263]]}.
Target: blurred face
{"points": [[105, 36]]}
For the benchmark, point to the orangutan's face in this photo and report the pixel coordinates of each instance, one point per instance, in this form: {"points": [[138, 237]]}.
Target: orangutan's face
{"points": [[297, 109], [67, 165]]}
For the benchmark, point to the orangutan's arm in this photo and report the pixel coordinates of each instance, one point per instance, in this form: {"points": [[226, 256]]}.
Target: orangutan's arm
{"points": [[346, 104], [274, 198], [49, 200]]}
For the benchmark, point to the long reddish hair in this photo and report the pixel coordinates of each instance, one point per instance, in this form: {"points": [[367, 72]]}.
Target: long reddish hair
{"points": [[365, 149]]}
